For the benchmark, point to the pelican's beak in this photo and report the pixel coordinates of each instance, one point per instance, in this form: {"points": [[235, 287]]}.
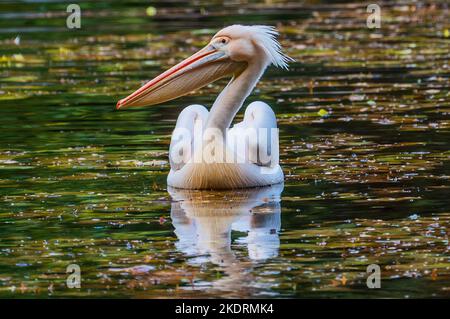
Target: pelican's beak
{"points": [[202, 68]]}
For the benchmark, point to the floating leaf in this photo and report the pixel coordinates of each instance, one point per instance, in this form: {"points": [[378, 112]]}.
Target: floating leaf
{"points": [[150, 11], [322, 112]]}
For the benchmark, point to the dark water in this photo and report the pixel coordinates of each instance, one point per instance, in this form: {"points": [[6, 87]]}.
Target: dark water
{"points": [[364, 136]]}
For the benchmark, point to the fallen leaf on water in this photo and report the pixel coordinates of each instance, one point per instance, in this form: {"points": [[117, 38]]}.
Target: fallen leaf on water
{"points": [[434, 274], [343, 280], [322, 113], [23, 288], [150, 11], [135, 270]]}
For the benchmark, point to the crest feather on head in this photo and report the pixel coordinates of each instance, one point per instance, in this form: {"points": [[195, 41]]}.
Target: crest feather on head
{"points": [[267, 36]]}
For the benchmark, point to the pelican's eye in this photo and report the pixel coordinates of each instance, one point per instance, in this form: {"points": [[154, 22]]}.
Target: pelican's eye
{"points": [[221, 41]]}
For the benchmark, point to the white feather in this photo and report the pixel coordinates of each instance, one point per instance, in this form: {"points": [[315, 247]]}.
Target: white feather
{"points": [[267, 37]]}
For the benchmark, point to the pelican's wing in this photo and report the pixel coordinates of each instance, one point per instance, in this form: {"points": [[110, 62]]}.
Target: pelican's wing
{"points": [[184, 134], [255, 139]]}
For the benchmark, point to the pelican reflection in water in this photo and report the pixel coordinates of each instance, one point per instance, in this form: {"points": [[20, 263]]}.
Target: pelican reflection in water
{"points": [[204, 221]]}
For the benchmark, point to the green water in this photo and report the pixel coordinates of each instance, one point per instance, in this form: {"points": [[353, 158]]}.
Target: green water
{"points": [[81, 183]]}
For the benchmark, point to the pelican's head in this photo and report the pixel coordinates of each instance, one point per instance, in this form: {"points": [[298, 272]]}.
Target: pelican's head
{"points": [[227, 54]]}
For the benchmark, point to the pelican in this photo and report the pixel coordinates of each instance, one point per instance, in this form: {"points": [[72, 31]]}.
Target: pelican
{"points": [[204, 151]]}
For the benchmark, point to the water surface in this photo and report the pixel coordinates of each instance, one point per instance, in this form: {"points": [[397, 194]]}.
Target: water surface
{"points": [[364, 131]]}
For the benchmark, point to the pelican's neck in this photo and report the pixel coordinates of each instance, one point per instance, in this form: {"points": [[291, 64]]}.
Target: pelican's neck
{"points": [[232, 97]]}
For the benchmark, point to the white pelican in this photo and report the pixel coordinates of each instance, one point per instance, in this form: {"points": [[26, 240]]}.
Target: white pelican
{"points": [[207, 161]]}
